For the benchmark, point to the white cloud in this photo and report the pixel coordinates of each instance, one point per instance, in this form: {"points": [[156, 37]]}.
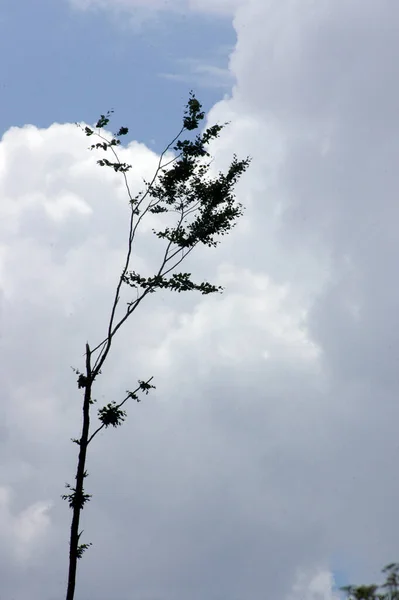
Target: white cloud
{"points": [[23, 534], [269, 446], [204, 75], [30, 526], [314, 586], [255, 320]]}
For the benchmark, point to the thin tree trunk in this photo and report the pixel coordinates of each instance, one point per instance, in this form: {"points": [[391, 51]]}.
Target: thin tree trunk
{"points": [[79, 498]]}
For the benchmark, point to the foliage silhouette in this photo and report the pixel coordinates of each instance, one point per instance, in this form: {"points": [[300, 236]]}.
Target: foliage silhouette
{"points": [[205, 209], [389, 590]]}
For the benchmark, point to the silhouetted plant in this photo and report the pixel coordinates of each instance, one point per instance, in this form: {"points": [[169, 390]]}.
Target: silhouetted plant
{"points": [[389, 590], [205, 209]]}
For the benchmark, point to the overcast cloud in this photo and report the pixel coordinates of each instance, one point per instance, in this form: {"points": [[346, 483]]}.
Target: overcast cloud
{"points": [[266, 458]]}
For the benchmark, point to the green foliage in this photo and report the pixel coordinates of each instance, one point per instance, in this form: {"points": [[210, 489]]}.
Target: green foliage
{"points": [[82, 381], [193, 113], [145, 386], [104, 120], [206, 209], [122, 131], [111, 415], [179, 282], [81, 548], [76, 498], [389, 590], [205, 206], [117, 166]]}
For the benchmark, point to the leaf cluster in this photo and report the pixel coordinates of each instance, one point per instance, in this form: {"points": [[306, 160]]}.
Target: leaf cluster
{"points": [[111, 414], [204, 204], [389, 590], [178, 282], [81, 549], [76, 498]]}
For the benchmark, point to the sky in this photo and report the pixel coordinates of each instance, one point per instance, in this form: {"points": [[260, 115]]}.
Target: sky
{"points": [[264, 463]]}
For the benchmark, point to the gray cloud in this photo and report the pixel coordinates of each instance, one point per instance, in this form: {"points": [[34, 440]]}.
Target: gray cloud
{"points": [[268, 451]]}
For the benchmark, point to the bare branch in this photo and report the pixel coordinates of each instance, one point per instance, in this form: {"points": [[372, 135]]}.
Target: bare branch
{"points": [[132, 230]]}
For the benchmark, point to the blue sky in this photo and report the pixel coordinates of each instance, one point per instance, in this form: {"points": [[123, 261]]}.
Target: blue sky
{"points": [[60, 64]]}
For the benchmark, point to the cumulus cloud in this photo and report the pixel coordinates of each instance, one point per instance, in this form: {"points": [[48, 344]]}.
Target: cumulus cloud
{"points": [[268, 450], [313, 586], [60, 260], [23, 532]]}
